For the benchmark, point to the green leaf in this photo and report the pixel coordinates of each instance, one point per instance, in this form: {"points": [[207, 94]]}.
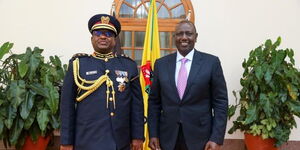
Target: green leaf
{"points": [[65, 66], [4, 49], [265, 102], [1, 100], [268, 44], [55, 61], [25, 56], [1, 126], [27, 105], [53, 99], [16, 93], [35, 133], [244, 64], [30, 119], [12, 113], [54, 122], [21, 140], [235, 96], [16, 131], [23, 68], [258, 72], [256, 129], [292, 91], [290, 54], [264, 122], [282, 135], [265, 134], [294, 106], [277, 43], [273, 123], [268, 75], [39, 89], [251, 114], [278, 58], [283, 96], [255, 88], [231, 111], [269, 124], [34, 62], [43, 119], [231, 130], [3, 111]]}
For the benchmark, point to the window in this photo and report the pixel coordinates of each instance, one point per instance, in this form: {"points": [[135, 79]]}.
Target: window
{"points": [[133, 16]]}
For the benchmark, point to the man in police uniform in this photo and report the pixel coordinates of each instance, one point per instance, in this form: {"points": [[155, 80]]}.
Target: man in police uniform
{"points": [[101, 103]]}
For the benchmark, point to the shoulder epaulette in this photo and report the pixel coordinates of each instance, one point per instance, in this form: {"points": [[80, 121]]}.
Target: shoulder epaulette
{"points": [[123, 56], [78, 55]]}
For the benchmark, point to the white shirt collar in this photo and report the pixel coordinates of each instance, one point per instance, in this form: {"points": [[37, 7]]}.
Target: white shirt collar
{"points": [[189, 56]]}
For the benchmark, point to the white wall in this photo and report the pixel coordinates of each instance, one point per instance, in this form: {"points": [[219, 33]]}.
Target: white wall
{"points": [[231, 28], [58, 26], [227, 28]]}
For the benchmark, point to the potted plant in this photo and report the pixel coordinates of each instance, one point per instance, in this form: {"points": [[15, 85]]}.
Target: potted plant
{"points": [[29, 96], [269, 97]]}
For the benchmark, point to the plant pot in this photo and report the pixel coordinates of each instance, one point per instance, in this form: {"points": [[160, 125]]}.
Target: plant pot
{"points": [[40, 144], [257, 143]]}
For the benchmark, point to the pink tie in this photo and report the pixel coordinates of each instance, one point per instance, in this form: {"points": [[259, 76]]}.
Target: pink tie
{"points": [[182, 78]]}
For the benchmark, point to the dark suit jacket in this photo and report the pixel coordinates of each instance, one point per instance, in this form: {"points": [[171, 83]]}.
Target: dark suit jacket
{"points": [[89, 125], [202, 112]]}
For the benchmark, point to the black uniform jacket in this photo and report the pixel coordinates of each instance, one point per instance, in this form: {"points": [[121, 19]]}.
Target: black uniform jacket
{"points": [[96, 122]]}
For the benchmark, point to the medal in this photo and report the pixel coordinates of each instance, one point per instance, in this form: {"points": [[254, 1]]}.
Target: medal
{"points": [[122, 79]]}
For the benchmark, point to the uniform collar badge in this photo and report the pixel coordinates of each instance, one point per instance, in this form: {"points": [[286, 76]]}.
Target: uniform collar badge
{"points": [[104, 57]]}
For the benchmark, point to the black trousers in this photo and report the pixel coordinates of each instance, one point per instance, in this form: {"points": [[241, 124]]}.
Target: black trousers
{"points": [[180, 143]]}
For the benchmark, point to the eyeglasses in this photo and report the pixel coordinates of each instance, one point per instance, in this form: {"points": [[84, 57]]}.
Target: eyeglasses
{"points": [[105, 33]]}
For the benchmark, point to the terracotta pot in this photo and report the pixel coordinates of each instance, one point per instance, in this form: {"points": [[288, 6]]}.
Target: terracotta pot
{"points": [[257, 143], [40, 144]]}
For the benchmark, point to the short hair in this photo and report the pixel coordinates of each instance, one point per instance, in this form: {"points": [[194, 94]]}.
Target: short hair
{"points": [[188, 22]]}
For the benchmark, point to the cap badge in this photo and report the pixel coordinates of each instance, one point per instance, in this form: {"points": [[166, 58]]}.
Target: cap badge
{"points": [[105, 20]]}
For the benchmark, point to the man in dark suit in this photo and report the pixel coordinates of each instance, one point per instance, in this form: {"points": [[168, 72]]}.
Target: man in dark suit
{"points": [[187, 106], [101, 103]]}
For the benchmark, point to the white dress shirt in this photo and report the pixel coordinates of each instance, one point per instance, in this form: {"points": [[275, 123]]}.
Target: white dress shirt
{"points": [[188, 64]]}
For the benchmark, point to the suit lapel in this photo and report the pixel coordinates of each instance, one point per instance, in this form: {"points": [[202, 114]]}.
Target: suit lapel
{"points": [[195, 67], [171, 71]]}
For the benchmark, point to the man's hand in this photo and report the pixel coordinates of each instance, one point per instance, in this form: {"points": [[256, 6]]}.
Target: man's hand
{"points": [[212, 146], [137, 144], [66, 147], [154, 144]]}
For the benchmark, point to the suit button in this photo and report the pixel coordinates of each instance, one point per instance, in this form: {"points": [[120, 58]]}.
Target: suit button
{"points": [[112, 114]]}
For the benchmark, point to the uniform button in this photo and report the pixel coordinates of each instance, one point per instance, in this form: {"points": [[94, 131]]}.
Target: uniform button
{"points": [[112, 114], [106, 59], [111, 99]]}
